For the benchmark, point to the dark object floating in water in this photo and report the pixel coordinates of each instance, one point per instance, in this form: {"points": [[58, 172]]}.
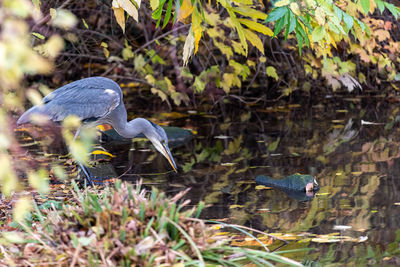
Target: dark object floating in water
{"points": [[176, 136], [301, 187]]}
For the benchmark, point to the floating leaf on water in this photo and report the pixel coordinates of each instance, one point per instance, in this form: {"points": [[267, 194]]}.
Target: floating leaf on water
{"points": [[235, 206], [262, 187], [172, 115], [325, 240], [342, 227], [222, 137], [251, 242], [101, 152], [362, 238], [263, 210], [228, 163], [363, 122]]}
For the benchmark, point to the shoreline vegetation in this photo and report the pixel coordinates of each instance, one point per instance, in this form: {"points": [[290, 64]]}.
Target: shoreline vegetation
{"points": [[122, 225]]}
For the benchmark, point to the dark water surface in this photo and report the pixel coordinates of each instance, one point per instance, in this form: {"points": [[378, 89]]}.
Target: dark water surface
{"points": [[354, 219], [356, 164]]}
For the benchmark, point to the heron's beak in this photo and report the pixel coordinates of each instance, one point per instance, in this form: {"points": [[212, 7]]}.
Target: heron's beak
{"points": [[167, 153], [164, 149]]}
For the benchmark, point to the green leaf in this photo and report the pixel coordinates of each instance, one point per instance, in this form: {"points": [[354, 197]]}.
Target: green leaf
{"points": [[365, 6], [348, 20], [361, 24], [299, 28], [85, 24], [274, 145], [299, 41], [380, 5], [157, 14], [291, 25], [393, 9], [338, 12], [38, 35], [318, 34], [277, 13], [278, 26], [167, 14], [271, 72]]}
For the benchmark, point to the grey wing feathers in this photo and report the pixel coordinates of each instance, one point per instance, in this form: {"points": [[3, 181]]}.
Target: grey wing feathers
{"points": [[89, 99], [86, 104]]}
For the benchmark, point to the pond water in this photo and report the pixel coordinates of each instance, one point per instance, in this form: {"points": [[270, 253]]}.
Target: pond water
{"points": [[351, 146]]}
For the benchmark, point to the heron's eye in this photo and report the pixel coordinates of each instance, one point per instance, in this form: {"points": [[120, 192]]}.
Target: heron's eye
{"points": [[163, 142]]}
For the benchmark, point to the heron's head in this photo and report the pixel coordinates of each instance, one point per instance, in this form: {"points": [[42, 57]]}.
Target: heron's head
{"points": [[159, 139]]}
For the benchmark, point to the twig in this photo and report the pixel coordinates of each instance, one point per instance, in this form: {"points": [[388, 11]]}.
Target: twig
{"points": [[160, 37], [82, 55], [76, 254], [46, 18]]}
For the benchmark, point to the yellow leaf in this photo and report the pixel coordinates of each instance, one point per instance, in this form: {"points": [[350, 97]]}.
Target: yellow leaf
{"points": [[295, 8], [39, 180], [254, 40], [260, 187], [101, 152], [52, 47], [197, 30], [238, 48], [129, 8], [320, 15], [230, 80], [120, 17], [271, 72], [21, 208], [250, 12], [243, 2], [186, 10], [154, 4], [211, 18], [257, 27], [282, 3], [235, 206], [311, 3], [225, 49]]}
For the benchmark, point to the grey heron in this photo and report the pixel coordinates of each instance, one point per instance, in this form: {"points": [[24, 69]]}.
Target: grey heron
{"points": [[96, 101]]}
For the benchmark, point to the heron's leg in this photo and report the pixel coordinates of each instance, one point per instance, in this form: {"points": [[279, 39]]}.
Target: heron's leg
{"points": [[85, 171]]}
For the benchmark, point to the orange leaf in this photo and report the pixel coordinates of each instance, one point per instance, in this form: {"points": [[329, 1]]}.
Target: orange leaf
{"points": [[197, 30], [186, 10]]}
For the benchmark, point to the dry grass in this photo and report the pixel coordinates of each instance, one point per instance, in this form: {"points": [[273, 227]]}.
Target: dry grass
{"points": [[125, 225]]}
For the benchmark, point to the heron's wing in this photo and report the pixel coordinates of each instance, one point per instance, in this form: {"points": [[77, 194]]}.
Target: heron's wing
{"points": [[89, 103]]}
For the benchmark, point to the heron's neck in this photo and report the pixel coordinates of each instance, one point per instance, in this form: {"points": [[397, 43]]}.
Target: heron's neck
{"points": [[132, 128]]}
